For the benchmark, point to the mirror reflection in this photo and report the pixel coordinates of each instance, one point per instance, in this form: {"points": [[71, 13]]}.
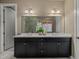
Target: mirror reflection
{"points": [[35, 24]]}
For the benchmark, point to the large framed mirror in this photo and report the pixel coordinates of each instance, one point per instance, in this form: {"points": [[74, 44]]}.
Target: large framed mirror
{"points": [[52, 24]]}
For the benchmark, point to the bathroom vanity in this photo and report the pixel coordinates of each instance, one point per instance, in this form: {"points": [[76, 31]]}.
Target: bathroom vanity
{"points": [[33, 45]]}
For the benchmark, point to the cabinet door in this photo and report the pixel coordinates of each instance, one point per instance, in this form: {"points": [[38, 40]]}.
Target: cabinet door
{"points": [[40, 47], [31, 49], [20, 49], [50, 47], [63, 49], [26, 49]]}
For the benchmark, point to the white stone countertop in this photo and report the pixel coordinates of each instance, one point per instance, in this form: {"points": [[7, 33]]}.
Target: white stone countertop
{"points": [[46, 35]]}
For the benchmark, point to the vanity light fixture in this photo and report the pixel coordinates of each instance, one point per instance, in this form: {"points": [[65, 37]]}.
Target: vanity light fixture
{"points": [[29, 11], [58, 11], [26, 11], [52, 11]]}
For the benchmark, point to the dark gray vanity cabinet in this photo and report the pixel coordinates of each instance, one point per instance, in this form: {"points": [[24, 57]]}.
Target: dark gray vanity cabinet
{"points": [[25, 48], [42, 47]]}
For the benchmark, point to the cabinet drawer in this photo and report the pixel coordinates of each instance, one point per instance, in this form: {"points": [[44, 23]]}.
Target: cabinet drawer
{"points": [[63, 39], [55, 39], [43, 39], [64, 49], [26, 39]]}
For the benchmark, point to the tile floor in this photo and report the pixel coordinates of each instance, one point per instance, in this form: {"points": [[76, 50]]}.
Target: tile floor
{"points": [[9, 55]]}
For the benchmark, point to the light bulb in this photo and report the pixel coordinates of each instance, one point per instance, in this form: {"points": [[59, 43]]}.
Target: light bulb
{"points": [[52, 11], [31, 11], [58, 11], [26, 11]]}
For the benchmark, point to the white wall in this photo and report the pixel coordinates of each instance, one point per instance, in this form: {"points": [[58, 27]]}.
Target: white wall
{"points": [[70, 22], [0, 29], [77, 52], [78, 17], [69, 16], [63, 24], [77, 29]]}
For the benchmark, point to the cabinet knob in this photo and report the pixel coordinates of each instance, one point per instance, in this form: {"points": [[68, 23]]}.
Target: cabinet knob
{"points": [[25, 43], [41, 43], [58, 43], [41, 51], [41, 39]]}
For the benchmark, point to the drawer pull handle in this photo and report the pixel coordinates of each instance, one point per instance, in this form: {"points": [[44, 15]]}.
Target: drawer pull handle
{"points": [[41, 43], [41, 39], [58, 43], [25, 43], [41, 51]]}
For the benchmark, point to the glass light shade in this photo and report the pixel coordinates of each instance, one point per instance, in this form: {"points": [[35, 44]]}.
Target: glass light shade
{"points": [[31, 11], [52, 11], [26, 11], [58, 11]]}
